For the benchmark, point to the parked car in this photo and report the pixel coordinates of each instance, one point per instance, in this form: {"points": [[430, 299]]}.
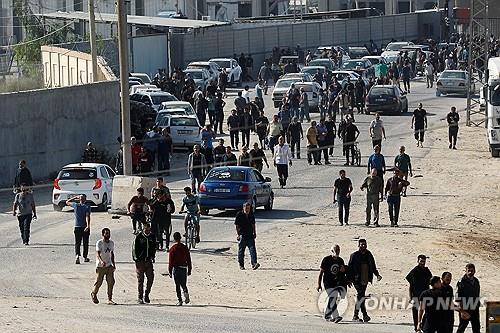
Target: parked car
{"points": [[453, 82], [312, 70], [361, 66], [185, 107], [386, 98], [343, 75], [200, 76], [143, 76], [375, 60], [143, 87], [231, 186], [232, 68], [212, 68], [306, 77], [339, 49], [357, 52], [281, 88], [393, 48], [312, 91], [153, 98], [185, 130], [135, 79], [92, 179], [325, 62]]}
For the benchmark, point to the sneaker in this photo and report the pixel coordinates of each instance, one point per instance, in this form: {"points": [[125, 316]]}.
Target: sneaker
{"points": [[242, 268], [404, 194], [337, 320], [396, 225], [179, 303], [256, 266], [86, 260], [186, 298], [346, 223], [376, 225], [146, 299], [110, 302], [449, 146], [77, 261], [140, 301], [357, 319], [366, 318], [367, 224], [341, 223], [197, 239], [454, 147], [94, 298], [346, 164], [327, 163]]}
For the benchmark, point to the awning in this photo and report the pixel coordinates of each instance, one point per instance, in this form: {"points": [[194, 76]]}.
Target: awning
{"points": [[150, 21]]}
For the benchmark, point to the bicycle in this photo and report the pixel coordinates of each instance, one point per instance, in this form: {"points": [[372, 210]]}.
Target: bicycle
{"points": [[357, 154], [191, 229]]}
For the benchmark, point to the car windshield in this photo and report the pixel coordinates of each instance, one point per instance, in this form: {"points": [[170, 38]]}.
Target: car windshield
{"points": [[374, 61], [382, 91], [158, 99], [191, 122], [195, 75], [312, 71], [495, 95], [207, 67], [452, 75], [321, 62], [307, 87], [77, 173], [353, 64], [395, 47], [223, 63], [285, 83], [227, 175], [177, 107]]}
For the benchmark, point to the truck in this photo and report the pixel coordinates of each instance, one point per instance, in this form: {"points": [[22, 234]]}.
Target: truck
{"points": [[491, 95]]}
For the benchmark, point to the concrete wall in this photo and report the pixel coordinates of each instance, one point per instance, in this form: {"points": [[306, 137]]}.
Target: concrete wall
{"points": [[63, 68], [49, 128]]}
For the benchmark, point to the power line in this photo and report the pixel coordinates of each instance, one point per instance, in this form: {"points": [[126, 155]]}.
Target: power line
{"points": [[44, 36]]}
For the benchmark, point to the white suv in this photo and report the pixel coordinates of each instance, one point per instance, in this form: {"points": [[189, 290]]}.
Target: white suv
{"points": [[92, 179]]}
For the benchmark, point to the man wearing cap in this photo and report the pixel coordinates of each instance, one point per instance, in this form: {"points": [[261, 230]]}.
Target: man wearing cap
{"points": [[393, 189], [333, 273], [418, 278]]}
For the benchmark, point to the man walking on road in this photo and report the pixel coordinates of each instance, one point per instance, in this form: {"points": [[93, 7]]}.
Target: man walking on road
{"points": [[197, 166], [332, 273], [342, 189], [245, 229], [418, 278], [449, 313], [282, 158], [179, 267], [468, 293], [453, 118], [361, 269], [82, 226], [105, 266], [403, 163], [25, 209], [377, 131], [377, 161], [431, 302], [233, 123], [312, 144], [349, 135], [374, 194], [393, 190], [23, 176], [295, 133], [143, 253], [419, 124]]}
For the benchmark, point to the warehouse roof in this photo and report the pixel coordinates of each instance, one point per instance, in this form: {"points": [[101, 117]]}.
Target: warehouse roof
{"points": [[137, 20]]}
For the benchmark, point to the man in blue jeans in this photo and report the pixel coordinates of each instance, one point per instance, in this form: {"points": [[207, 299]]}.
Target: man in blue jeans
{"points": [[393, 189], [245, 228], [342, 194], [82, 225], [24, 208]]}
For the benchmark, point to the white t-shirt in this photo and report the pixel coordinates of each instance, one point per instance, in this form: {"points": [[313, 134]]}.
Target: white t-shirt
{"points": [[105, 248], [246, 95], [377, 126]]}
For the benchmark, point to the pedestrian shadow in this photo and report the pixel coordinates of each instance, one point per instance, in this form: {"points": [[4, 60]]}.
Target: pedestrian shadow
{"points": [[34, 246], [288, 269], [213, 252], [201, 306], [282, 214], [408, 226]]}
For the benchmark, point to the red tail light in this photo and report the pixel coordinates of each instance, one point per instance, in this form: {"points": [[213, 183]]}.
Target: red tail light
{"points": [[244, 188], [56, 184], [98, 184], [202, 188]]}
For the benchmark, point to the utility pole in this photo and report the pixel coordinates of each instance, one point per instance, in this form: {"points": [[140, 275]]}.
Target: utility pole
{"points": [[124, 73], [93, 47]]}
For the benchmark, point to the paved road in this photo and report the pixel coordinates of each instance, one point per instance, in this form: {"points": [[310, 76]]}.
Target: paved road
{"points": [[45, 271]]}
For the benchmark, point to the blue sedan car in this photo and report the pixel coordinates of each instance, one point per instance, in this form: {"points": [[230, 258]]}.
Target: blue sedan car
{"points": [[231, 186]]}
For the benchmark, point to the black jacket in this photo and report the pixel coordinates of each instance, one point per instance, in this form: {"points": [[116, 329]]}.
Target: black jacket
{"points": [[23, 176], [468, 291], [354, 271], [144, 247]]}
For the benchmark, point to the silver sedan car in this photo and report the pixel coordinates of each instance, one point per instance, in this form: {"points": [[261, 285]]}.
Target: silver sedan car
{"points": [[452, 82]]}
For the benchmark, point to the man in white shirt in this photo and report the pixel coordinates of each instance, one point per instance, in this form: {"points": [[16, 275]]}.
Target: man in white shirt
{"points": [[105, 266], [246, 94], [429, 74], [282, 157], [377, 131]]}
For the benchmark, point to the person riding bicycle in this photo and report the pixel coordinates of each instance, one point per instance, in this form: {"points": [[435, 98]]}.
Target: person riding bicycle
{"points": [[192, 204]]}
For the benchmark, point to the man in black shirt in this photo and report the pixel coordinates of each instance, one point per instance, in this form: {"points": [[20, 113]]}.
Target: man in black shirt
{"points": [[240, 102], [295, 133], [453, 118], [245, 229], [360, 272], [419, 124], [23, 176], [431, 304], [162, 207], [229, 158], [342, 193], [233, 123], [258, 157], [468, 292], [219, 153], [449, 312], [418, 278], [143, 253], [261, 123], [350, 133], [332, 273]]}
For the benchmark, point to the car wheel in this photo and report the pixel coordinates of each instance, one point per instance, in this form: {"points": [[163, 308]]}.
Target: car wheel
{"points": [[495, 153], [103, 207], [57, 208], [367, 112], [204, 211], [269, 205], [254, 205]]}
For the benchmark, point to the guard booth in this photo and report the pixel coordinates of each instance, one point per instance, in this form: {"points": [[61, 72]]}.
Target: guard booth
{"points": [[492, 317]]}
